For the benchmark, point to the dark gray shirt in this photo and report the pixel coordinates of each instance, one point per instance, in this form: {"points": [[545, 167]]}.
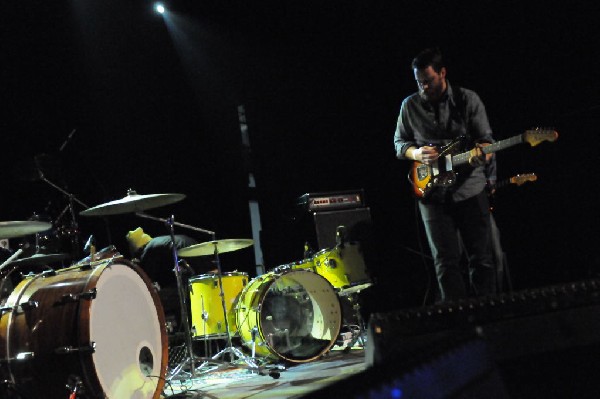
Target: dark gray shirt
{"points": [[421, 123]]}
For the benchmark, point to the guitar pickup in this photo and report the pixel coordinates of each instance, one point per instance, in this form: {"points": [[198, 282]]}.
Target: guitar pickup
{"points": [[448, 159]]}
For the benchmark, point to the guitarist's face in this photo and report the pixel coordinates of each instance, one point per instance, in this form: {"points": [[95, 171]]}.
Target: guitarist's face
{"points": [[432, 84]]}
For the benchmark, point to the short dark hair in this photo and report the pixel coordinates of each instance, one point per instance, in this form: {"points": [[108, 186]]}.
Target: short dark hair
{"points": [[429, 57]]}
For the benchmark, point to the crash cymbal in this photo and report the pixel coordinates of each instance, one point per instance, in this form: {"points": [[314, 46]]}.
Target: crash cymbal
{"points": [[133, 202], [22, 228], [39, 259], [208, 248]]}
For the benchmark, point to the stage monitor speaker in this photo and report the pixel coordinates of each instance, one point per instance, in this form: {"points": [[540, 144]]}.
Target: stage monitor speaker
{"points": [[545, 341], [357, 223], [454, 366]]}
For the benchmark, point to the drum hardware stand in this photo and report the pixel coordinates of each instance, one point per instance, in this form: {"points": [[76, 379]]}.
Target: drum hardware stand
{"points": [[229, 349], [74, 232], [191, 359], [360, 335], [14, 256]]}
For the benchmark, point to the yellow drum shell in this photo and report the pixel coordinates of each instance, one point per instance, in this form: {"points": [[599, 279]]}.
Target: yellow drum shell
{"points": [[304, 264], [342, 266], [208, 319], [294, 315]]}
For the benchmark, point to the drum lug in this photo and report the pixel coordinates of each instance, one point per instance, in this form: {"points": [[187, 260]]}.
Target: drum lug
{"points": [[48, 273], [91, 294], [65, 350], [21, 356], [25, 306]]}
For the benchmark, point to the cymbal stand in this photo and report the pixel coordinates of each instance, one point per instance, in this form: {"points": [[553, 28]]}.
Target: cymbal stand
{"points": [[190, 359], [74, 231], [229, 349], [232, 351], [181, 370], [172, 222], [68, 194]]}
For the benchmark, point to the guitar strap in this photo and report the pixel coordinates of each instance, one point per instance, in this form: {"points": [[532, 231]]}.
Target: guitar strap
{"points": [[461, 142], [461, 109]]}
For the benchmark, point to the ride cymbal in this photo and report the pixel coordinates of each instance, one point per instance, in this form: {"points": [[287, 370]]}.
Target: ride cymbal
{"points": [[22, 228], [220, 246], [132, 203]]}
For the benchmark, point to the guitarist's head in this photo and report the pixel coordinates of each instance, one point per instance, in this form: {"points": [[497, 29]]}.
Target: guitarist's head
{"points": [[430, 74]]}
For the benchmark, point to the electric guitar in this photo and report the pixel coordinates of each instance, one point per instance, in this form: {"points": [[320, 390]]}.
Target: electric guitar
{"points": [[519, 180], [440, 173]]}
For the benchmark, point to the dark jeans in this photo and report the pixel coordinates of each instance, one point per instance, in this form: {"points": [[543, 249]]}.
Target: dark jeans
{"points": [[471, 220]]}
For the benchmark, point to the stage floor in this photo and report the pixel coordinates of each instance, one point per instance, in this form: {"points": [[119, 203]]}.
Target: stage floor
{"points": [[291, 381]]}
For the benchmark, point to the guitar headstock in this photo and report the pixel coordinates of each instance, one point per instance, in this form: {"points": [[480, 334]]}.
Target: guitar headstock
{"points": [[522, 179], [537, 135]]}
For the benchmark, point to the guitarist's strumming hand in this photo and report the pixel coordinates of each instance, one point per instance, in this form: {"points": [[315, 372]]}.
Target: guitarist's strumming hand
{"points": [[477, 157], [425, 154]]}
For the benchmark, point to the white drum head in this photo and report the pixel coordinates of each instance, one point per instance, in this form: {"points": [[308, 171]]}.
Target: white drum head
{"points": [[125, 326]]}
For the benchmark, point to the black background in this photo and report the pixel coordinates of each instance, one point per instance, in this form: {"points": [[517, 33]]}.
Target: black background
{"points": [[154, 102]]}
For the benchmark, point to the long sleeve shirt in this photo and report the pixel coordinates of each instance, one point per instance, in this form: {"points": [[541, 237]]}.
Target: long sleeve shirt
{"points": [[421, 123]]}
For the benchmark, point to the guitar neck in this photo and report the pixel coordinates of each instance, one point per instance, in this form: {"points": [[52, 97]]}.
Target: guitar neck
{"points": [[463, 157], [518, 180]]}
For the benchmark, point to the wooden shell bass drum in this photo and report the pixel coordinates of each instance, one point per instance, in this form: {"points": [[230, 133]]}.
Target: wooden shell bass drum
{"points": [[99, 329]]}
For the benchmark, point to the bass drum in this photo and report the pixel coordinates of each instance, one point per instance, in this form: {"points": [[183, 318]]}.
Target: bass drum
{"points": [[100, 329], [294, 315]]}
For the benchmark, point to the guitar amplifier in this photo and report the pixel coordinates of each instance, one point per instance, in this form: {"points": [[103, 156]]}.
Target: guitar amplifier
{"points": [[357, 224], [337, 200]]}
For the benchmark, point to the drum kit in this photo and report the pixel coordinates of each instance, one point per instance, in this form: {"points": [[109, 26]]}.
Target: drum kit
{"points": [[97, 326]]}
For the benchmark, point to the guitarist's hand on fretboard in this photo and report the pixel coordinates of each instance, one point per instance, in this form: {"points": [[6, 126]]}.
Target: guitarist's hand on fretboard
{"points": [[478, 158]]}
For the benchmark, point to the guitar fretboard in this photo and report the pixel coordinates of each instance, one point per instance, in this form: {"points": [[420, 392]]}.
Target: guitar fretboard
{"points": [[463, 158]]}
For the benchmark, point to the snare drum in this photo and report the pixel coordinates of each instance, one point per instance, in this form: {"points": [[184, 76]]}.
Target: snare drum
{"points": [[101, 328], [342, 266], [295, 315], [208, 320]]}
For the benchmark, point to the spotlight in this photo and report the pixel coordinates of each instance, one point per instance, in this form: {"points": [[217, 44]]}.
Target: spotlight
{"points": [[159, 8]]}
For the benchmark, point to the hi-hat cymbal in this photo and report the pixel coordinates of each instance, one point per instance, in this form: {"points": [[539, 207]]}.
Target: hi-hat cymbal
{"points": [[209, 247], [133, 202], [39, 259], [22, 228]]}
